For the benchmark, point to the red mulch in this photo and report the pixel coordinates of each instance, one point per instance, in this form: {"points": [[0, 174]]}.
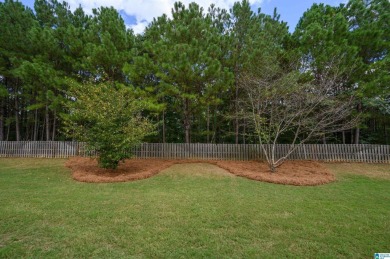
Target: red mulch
{"points": [[289, 173]]}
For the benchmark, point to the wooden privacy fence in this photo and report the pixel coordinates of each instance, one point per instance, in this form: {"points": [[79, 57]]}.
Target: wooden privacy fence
{"points": [[45, 149], [322, 152]]}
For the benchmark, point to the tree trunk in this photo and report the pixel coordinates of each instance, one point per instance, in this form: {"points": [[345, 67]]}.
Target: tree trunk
{"points": [[357, 135], [47, 122], [163, 125], [54, 126], [35, 134], [272, 167], [323, 139], [187, 131], [208, 123], [17, 126], [187, 125], [8, 130], [43, 130], [244, 131], [357, 130], [352, 138], [343, 136], [1, 120], [236, 78], [237, 126], [213, 138], [28, 128]]}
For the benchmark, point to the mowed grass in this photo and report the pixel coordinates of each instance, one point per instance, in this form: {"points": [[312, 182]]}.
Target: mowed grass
{"points": [[190, 211]]}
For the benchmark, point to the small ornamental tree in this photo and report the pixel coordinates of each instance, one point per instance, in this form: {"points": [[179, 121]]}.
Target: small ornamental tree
{"points": [[109, 119], [279, 104]]}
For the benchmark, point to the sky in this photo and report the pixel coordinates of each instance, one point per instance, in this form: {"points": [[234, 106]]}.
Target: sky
{"points": [[137, 14]]}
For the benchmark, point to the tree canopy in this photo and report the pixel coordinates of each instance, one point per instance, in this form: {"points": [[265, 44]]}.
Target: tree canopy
{"points": [[191, 70], [111, 128]]}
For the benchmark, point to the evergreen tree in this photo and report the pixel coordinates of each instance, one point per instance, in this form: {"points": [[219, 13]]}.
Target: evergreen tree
{"points": [[186, 51], [15, 23], [322, 39], [109, 45], [369, 26], [256, 42], [244, 29], [190, 69]]}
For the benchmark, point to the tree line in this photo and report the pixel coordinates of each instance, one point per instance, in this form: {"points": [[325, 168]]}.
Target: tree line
{"points": [[194, 69]]}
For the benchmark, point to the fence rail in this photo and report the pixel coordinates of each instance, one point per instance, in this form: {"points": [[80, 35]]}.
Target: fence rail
{"points": [[323, 152]]}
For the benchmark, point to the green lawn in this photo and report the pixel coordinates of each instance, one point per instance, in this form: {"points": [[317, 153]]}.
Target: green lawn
{"points": [[189, 210]]}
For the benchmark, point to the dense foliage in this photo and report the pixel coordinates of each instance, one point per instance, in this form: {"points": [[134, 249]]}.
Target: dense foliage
{"points": [[188, 68], [112, 128]]}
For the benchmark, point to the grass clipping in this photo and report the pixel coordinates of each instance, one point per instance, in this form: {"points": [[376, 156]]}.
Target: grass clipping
{"points": [[290, 173]]}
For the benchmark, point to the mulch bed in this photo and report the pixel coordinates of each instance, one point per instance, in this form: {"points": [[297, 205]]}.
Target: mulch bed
{"points": [[290, 173]]}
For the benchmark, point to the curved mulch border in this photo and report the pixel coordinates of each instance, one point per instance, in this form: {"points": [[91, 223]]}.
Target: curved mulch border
{"points": [[300, 173]]}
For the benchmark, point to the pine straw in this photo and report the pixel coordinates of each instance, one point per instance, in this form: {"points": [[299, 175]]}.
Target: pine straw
{"points": [[290, 173]]}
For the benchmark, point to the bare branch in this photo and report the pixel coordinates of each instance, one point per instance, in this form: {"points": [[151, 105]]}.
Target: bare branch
{"points": [[278, 104]]}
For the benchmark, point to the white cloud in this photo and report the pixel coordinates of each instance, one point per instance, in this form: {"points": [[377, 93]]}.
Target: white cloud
{"points": [[145, 10], [139, 27]]}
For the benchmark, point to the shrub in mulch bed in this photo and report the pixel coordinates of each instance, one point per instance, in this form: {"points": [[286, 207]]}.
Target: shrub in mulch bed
{"points": [[290, 173]]}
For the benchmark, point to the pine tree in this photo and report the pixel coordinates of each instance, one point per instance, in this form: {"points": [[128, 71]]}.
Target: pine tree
{"points": [[322, 39], [186, 51], [369, 26], [109, 45], [15, 23], [256, 45]]}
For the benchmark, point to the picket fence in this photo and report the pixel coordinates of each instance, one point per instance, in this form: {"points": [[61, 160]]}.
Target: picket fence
{"points": [[323, 152]]}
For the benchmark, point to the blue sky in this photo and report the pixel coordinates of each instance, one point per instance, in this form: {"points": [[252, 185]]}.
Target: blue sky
{"points": [[138, 13]]}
